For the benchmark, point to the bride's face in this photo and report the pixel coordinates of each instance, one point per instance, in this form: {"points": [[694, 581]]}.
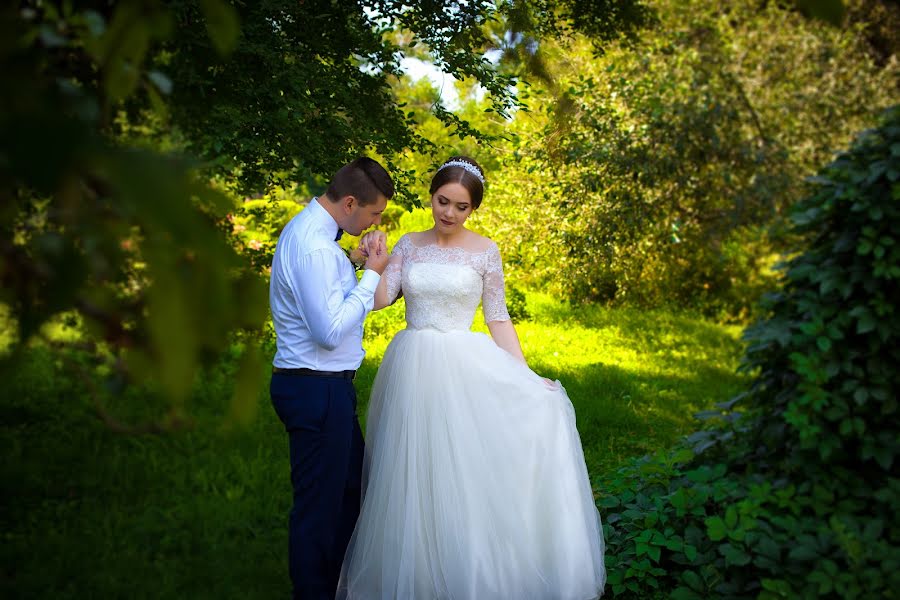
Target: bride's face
{"points": [[451, 205]]}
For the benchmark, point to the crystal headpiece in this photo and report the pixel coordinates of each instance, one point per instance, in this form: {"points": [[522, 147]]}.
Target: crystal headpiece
{"points": [[465, 165]]}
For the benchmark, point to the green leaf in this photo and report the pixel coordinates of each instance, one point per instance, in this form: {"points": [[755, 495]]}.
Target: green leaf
{"points": [[734, 555], [823, 580], [674, 544], [684, 593], [222, 24], [803, 553], [245, 401], [866, 323], [731, 517], [768, 547], [690, 552], [716, 529], [694, 581], [781, 589], [846, 427]]}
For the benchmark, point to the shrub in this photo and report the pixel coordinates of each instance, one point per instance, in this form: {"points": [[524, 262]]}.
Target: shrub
{"points": [[795, 496], [516, 304]]}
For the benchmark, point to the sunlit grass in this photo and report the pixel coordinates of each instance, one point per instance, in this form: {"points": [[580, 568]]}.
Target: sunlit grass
{"points": [[198, 513]]}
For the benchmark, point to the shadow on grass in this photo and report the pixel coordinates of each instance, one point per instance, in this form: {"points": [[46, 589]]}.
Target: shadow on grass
{"points": [[87, 512]]}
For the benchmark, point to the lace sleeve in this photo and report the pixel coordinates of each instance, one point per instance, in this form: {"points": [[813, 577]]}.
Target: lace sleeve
{"points": [[393, 269], [493, 295]]}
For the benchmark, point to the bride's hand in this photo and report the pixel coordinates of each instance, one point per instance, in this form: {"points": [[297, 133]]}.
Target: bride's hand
{"points": [[373, 242], [551, 385]]}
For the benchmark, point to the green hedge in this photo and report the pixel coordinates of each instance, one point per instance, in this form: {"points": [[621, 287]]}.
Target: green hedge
{"points": [[792, 492]]}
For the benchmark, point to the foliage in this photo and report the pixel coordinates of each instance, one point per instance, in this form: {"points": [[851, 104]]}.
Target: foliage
{"points": [[306, 88], [102, 216], [796, 496], [125, 236], [516, 304], [833, 382], [664, 172], [879, 21]]}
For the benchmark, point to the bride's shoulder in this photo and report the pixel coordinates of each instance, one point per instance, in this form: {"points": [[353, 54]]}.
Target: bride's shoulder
{"points": [[411, 241], [415, 238], [480, 243]]}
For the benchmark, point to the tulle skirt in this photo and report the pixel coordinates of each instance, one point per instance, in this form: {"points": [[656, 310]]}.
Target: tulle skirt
{"points": [[475, 486]]}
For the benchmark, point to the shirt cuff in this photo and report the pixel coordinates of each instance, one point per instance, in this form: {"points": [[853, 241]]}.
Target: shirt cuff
{"points": [[369, 280]]}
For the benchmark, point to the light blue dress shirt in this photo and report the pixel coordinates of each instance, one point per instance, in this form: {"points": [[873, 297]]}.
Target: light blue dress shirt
{"points": [[317, 305]]}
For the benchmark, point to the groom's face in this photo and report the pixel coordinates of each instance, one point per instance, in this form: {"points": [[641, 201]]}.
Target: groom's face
{"points": [[359, 218]]}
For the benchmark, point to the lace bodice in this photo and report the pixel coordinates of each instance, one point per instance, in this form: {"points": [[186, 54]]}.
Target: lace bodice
{"points": [[443, 286]]}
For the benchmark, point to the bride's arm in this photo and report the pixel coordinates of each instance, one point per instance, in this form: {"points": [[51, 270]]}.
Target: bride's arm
{"points": [[383, 296], [495, 313], [388, 289], [505, 336], [493, 300]]}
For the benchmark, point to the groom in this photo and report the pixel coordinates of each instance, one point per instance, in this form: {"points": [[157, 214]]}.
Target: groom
{"points": [[318, 308]]}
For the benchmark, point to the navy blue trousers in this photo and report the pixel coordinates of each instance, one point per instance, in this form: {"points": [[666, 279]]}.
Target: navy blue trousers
{"points": [[326, 447]]}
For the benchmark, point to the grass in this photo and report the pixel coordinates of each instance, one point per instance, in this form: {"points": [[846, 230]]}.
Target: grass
{"points": [[202, 512]]}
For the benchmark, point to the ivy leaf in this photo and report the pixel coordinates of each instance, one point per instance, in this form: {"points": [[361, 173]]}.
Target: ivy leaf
{"points": [[866, 322], [734, 556], [690, 552], [684, 593], [716, 529], [803, 553]]}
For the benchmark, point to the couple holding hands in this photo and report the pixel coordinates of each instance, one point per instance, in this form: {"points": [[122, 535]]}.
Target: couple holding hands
{"points": [[471, 483]]}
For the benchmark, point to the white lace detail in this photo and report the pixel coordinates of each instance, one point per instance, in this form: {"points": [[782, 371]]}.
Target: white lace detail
{"points": [[443, 286]]}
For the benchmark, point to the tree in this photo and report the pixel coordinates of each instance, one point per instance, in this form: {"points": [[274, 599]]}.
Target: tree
{"points": [[114, 117], [664, 172]]}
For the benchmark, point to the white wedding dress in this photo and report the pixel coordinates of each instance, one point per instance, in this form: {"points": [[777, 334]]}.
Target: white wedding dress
{"points": [[475, 486]]}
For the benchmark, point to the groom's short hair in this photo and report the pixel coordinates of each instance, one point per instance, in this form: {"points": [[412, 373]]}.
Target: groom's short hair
{"points": [[364, 178]]}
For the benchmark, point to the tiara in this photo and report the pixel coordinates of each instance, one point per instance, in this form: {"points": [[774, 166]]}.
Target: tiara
{"points": [[465, 165]]}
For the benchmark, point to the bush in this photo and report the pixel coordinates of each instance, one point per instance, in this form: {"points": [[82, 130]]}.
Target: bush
{"points": [[516, 304], [796, 496], [667, 170]]}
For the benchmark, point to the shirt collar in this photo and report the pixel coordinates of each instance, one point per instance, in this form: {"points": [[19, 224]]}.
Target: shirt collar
{"points": [[323, 217]]}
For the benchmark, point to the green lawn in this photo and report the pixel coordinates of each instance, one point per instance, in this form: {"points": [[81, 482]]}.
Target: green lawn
{"points": [[201, 513]]}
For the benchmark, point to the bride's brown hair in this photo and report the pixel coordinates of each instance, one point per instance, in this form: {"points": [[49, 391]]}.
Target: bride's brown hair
{"points": [[451, 173]]}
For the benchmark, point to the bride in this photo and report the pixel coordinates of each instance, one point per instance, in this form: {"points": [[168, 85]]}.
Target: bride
{"points": [[474, 479]]}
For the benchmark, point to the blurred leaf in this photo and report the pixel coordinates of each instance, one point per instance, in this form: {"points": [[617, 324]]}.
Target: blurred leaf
{"points": [[222, 23], [161, 81], [245, 401], [831, 11]]}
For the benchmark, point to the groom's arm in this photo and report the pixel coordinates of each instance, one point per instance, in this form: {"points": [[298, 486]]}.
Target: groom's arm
{"points": [[331, 316]]}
